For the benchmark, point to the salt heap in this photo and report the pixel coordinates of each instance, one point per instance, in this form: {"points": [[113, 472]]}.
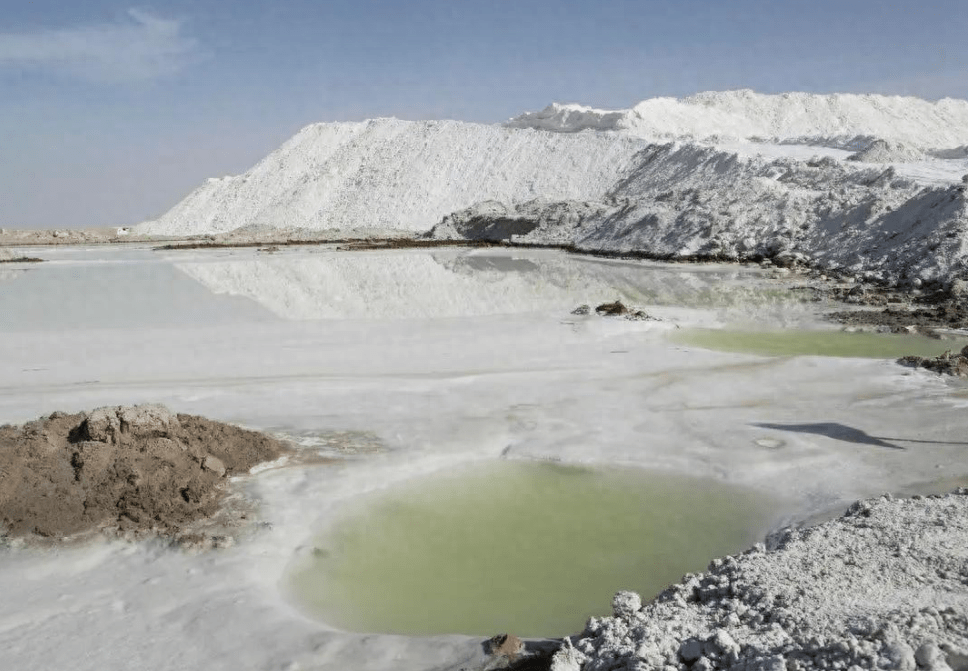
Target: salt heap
{"points": [[738, 180]]}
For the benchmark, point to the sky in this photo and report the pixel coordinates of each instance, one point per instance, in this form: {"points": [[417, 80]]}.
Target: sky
{"points": [[111, 112]]}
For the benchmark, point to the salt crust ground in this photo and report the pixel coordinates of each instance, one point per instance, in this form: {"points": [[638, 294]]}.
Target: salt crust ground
{"points": [[883, 587]]}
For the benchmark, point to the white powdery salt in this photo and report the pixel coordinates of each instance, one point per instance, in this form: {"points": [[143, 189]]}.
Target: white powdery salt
{"points": [[393, 174], [835, 119]]}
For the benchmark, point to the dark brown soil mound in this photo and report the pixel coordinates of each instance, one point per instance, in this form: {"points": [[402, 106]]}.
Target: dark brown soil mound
{"points": [[946, 364], [129, 469], [612, 309]]}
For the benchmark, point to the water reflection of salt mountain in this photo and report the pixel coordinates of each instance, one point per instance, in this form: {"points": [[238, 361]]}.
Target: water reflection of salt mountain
{"points": [[452, 283]]}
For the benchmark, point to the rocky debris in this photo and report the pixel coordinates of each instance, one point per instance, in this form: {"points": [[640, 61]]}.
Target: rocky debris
{"points": [[127, 470], [615, 309], [949, 313], [510, 653], [946, 364], [9, 256], [883, 587]]}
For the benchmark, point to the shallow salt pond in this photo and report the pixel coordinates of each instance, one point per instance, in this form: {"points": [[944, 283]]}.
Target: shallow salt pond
{"points": [[386, 364], [525, 547], [816, 343]]}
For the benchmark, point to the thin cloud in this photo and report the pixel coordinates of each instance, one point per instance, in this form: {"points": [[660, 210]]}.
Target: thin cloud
{"points": [[139, 48]]}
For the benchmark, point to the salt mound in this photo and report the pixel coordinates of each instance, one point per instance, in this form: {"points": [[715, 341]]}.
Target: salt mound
{"points": [[833, 120], [686, 201], [882, 151], [883, 587], [598, 180], [394, 174]]}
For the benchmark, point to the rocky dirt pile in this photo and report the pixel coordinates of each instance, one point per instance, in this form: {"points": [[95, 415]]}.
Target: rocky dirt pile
{"points": [[946, 364], [883, 587], [123, 469], [614, 309], [911, 312]]}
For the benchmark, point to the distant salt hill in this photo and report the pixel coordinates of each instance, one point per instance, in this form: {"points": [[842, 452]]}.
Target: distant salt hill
{"points": [[864, 183], [393, 174], [840, 120]]}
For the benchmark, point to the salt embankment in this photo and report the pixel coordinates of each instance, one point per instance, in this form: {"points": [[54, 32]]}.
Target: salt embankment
{"points": [[691, 202]]}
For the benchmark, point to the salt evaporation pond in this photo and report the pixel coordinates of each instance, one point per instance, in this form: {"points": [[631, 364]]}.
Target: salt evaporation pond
{"points": [[396, 365], [529, 547], [815, 342]]}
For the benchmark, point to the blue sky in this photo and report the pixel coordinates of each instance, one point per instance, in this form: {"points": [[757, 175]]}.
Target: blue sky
{"points": [[110, 112]]}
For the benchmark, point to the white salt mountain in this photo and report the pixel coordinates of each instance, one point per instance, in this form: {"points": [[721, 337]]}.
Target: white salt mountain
{"points": [[393, 174], [738, 181], [838, 120], [685, 201]]}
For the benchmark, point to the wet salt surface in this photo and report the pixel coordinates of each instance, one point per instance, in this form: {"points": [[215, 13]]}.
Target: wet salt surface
{"points": [[346, 353]]}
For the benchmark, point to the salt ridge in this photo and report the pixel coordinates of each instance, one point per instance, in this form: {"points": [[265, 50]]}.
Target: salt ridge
{"points": [[833, 119], [388, 173]]}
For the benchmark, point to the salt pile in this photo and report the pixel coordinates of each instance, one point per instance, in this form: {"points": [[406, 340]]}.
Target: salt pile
{"points": [[737, 181], [880, 588], [687, 201], [839, 120], [393, 174]]}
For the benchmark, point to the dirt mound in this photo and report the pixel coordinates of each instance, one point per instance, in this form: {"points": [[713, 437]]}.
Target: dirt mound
{"points": [[946, 364], [130, 469]]}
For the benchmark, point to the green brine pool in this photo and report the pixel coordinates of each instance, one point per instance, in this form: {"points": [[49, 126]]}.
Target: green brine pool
{"points": [[530, 548], [817, 343]]}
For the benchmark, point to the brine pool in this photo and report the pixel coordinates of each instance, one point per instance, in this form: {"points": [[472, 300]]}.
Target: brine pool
{"points": [[819, 342], [493, 462], [530, 547]]}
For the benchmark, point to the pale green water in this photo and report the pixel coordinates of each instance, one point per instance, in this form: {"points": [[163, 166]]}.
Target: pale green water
{"points": [[528, 548], [819, 343]]}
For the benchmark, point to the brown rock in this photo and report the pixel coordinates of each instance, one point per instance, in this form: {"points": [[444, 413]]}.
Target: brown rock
{"points": [[612, 309], [215, 465]]}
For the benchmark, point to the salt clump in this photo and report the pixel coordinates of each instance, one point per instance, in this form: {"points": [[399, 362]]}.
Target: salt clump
{"points": [[881, 587]]}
